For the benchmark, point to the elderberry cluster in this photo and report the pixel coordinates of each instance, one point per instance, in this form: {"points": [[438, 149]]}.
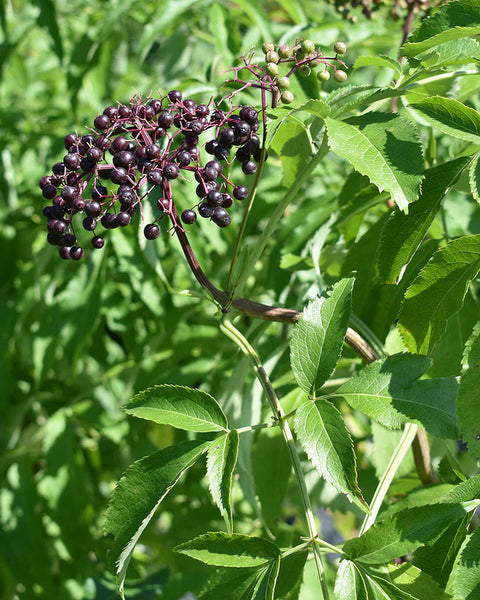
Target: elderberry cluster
{"points": [[132, 150], [397, 8]]}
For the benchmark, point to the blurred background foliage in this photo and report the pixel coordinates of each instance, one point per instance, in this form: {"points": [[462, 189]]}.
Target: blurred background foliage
{"points": [[78, 340]]}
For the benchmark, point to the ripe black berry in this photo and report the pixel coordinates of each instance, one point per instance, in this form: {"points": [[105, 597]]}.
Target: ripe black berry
{"points": [[72, 161], [102, 122], [189, 216], [240, 192], [98, 242], [165, 120], [64, 252], [221, 217], [89, 223], [171, 170], [214, 198], [222, 153], [123, 219], [205, 210], [154, 177], [249, 114], [152, 150], [49, 191], [184, 158], [226, 137], [249, 167], [151, 231], [76, 253], [175, 96]]}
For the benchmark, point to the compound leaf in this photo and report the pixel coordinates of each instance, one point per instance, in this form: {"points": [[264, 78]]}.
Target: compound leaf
{"points": [[438, 292], [450, 116], [325, 438], [403, 532], [138, 495], [221, 461], [387, 391], [317, 339], [178, 406], [468, 394], [385, 148], [222, 550]]}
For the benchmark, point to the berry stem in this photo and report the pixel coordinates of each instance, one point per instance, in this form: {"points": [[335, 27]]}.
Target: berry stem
{"points": [[232, 332]]}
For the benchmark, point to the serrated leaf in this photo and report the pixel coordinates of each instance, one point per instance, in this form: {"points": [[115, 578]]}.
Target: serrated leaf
{"points": [[387, 391], [474, 177], [349, 584], [139, 493], [403, 532], [385, 148], [453, 21], [402, 234], [292, 143], [265, 587], [409, 578], [234, 584], [271, 471], [178, 406], [317, 339], [438, 292], [325, 438], [221, 461], [378, 61], [464, 492], [222, 550], [469, 395], [460, 51], [466, 584], [450, 116], [290, 574]]}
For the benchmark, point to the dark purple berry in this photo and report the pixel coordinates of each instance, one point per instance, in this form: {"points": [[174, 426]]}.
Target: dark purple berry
{"points": [[124, 159], [98, 242], [69, 240], [240, 192], [102, 122], [123, 218], [87, 164], [78, 204], [242, 129], [72, 161], [76, 253], [124, 111], [189, 216], [163, 204], [202, 110], [109, 221], [103, 142], [222, 153], [58, 169], [214, 198], [152, 151], [171, 170], [54, 239], [249, 167], [226, 137], [227, 200], [64, 252], [99, 191], [205, 210], [175, 96], [118, 144], [118, 175], [165, 120], [126, 195], [156, 104], [215, 165], [154, 177], [49, 191], [184, 158], [70, 140], [111, 112], [89, 223], [211, 146], [151, 231], [209, 174], [94, 153], [48, 212], [243, 153], [249, 114], [69, 193], [221, 217]]}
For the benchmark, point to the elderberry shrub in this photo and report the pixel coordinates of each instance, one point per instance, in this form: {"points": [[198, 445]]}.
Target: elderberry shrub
{"points": [[133, 149]]}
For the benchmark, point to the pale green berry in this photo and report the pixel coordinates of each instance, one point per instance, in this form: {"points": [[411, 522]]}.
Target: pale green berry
{"points": [[340, 48], [267, 46], [287, 97], [340, 75], [272, 69], [272, 57], [304, 70], [314, 63], [323, 75], [284, 51], [282, 82], [308, 46]]}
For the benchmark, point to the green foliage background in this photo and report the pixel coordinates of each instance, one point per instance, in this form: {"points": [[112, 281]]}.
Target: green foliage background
{"points": [[79, 340]]}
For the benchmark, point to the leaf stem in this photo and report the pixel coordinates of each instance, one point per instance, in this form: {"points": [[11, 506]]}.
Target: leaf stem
{"points": [[232, 332], [398, 455]]}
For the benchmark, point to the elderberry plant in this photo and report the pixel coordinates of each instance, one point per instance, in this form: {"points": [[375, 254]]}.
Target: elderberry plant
{"points": [[420, 541]]}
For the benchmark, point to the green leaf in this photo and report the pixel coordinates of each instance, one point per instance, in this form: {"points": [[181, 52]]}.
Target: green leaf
{"points": [[387, 391], [402, 234], [265, 587], [378, 61], [453, 21], [385, 148], [467, 404], [138, 495], [293, 145], [221, 461], [465, 491], [438, 292], [234, 584], [222, 550], [412, 580], [325, 438], [271, 471], [474, 177], [290, 574], [402, 533], [466, 584], [317, 339], [178, 406], [450, 116], [349, 583]]}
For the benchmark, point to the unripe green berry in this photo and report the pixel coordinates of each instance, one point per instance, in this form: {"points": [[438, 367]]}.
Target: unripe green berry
{"points": [[308, 46], [323, 75], [282, 82], [340, 48], [304, 70], [314, 63], [267, 46], [299, 54], [272, 69], [340, 75], [272, 57], [284, 51], [287, 97]]}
